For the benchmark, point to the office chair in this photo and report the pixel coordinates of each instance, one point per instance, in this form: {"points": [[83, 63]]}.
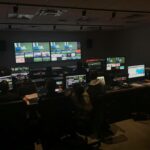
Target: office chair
{"points": [[12, 126]]}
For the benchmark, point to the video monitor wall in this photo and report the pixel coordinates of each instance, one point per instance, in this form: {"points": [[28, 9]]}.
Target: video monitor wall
{"points": [[32, 52], [115, 63], [65, 51], [45, 51], [136, 71]]}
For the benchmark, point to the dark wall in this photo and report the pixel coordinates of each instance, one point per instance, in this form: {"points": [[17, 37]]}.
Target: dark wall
{"points": [[99, 46], [133, 43]]}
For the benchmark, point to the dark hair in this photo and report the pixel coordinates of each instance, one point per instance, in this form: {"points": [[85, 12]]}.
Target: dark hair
{"points": [[4, 86], [93, 75], [78, 89], [50, 85]]}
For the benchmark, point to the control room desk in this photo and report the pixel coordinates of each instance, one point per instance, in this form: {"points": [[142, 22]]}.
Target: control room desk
{"points": [[122, 102]]}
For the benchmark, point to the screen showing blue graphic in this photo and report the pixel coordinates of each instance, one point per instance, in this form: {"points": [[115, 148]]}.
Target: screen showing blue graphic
{"points": [[136, 71]]}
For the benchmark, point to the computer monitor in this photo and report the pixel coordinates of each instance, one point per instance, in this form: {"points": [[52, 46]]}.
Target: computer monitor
{"points": [[72, 79], [8, 79], [61, 51], [102, 79], [137, 71], [115, 63]]}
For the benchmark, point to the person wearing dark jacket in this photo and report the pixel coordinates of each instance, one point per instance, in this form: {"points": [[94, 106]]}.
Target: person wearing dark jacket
{"points": [[96, 91]]}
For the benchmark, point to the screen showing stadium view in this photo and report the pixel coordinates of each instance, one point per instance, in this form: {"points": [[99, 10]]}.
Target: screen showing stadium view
{"points": [[65, 51], [32, 52]]}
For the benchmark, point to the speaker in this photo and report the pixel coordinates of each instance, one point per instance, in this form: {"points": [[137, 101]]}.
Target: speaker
{"points": [[89, 43], [2, 45]]}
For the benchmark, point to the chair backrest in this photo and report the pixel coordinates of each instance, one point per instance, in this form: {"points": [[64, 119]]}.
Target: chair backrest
{"points": [[55, 114], [12, 114]]}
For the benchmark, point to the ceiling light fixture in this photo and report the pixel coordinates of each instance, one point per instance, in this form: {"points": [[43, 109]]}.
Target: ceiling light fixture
{"points": [[54, 27], [81, 27], [113, 15], [15, 9], [100, 28], [9, 26], [83, 13]]}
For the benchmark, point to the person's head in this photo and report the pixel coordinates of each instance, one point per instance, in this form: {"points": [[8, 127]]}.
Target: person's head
{"points": [[93, 75], [79, 64], [78, 89], [4, 87], [50, 85]]}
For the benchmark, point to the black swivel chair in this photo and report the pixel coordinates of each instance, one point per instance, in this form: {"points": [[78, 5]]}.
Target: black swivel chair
{"points": [[13, 126]]}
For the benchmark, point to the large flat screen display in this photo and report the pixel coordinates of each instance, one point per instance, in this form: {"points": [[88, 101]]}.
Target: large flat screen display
{"points": [[136, 71], [61, 51], [115, 63], [32, 52]]}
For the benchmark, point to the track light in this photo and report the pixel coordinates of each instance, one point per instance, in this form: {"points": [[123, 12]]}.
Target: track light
{"points": [[9, 26], [54, 27], [83, 13], [15, 9], [113, 14], [81, 27], [100, 28]]}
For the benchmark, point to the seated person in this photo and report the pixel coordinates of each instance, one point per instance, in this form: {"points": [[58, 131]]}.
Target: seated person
{"points": [[80, 98], [5, 94], [50, 87], [96, 87]]}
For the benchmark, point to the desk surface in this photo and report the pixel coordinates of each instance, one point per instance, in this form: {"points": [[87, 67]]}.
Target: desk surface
{"points": [[131, 86]]}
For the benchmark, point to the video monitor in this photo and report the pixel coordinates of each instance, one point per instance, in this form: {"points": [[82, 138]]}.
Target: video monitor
{"points": [[115, 63], [8, 79], [72, 79], [32, 52], [136, 71], [61, 51]]}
